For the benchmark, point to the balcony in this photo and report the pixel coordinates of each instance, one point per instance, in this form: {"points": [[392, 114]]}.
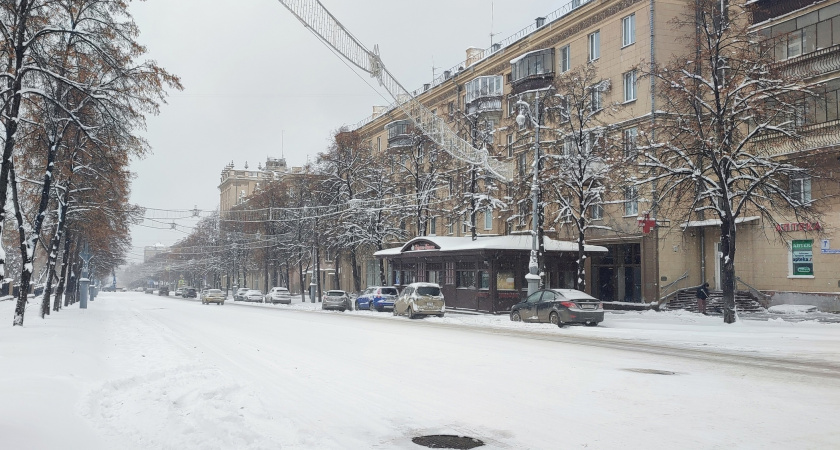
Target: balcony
{"points": [[812, 137], [764, 10], [811, 65], [484, 105], [400, 134], [533, 70]]}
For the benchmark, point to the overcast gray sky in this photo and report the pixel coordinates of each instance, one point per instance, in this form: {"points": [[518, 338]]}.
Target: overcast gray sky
{"points": [[252, 72]]}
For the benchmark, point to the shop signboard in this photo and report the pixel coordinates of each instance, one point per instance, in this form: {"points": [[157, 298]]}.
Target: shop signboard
{"points": [[803, 257]]}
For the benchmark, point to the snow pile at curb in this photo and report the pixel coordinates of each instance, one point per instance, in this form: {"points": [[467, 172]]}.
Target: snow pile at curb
{"points": [[792, 309]]}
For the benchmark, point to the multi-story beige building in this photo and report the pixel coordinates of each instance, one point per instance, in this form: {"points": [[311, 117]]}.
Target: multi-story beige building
{"points": [[236, 185], [618, 37]]}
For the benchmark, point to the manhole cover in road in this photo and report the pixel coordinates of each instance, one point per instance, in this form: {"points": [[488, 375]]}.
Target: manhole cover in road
{"points": [[447, 441], [652, 371]]}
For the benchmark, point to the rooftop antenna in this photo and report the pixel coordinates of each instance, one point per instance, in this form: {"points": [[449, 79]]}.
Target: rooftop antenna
{"points": [[434, 69], [492, 17], [282, 143]]}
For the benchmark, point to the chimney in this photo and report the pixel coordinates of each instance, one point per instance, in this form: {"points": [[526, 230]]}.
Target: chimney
{"points": [[447, 74], [540, 22], [473, 55], [426, 87], [495, 47]]}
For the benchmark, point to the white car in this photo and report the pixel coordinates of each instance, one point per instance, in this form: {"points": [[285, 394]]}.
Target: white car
{"points": [[420, 299], [253, 295], [279, 295]]}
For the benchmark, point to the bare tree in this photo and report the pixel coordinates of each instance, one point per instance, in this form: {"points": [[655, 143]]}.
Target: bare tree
{"points": [[724, 107]]}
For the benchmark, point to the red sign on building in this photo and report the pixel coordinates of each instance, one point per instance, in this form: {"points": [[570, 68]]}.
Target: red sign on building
{"points": [[802, 226]]}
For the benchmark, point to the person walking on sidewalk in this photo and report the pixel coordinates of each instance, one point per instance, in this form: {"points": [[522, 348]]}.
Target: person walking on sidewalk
{"points": [[702, 295]]}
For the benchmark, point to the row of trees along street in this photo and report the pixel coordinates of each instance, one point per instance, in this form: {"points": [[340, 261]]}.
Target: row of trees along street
{"points": [[704, 152], [74, 97]]}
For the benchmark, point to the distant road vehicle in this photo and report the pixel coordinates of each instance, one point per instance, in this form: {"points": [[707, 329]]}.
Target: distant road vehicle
{"points": [[253, 295], [179, 291], [336, 300], [279, 295], [240, 294], [377, 298], [213, 296], [189, 292], [559, 307], [164, 290], [420, 299], [149, 290]]}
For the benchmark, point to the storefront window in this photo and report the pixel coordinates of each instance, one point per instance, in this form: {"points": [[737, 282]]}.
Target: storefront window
{"points": [[802, 258], [504, 281], [465, 278], [483, 279]]}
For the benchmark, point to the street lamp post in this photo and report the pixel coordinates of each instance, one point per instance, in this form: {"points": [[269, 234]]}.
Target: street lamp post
{"points": [[534, 277]]}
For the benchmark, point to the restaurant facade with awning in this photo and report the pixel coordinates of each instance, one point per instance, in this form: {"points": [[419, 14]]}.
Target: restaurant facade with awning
{"points": [[486, 274]]}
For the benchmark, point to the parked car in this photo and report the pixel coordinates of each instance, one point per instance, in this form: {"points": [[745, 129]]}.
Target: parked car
{"points": [[149, 290], [164, 290], [252, 295], [279, 295], [213, 296], [189, 292], [336, 299], [377, 298], [179, 291], [240, 294], [559, 307], [420, 299]]}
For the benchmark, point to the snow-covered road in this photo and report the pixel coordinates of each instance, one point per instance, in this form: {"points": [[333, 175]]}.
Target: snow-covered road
{"points": [[140, 371]]}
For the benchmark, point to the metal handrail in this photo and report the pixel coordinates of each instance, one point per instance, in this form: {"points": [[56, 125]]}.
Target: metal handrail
{"points": [[763, 298], [667, 286]]}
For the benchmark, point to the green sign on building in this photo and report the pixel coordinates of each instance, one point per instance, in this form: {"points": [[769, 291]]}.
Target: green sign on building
{"points": [[803, 257]]}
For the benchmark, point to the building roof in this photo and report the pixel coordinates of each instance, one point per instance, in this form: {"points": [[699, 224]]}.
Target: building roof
{"points": [[522, 242]]}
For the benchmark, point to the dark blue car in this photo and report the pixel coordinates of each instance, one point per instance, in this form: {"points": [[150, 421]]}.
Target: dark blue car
{"points": [[377, 298]]}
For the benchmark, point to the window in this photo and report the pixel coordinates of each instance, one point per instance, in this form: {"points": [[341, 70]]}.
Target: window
{"points": [[569, 147], [628, 30], [631, 201], [510, 145], [801, 261], [483, 279], [488, 218], [523, 163], [630, 137], [488, 86], [596, 101], [794, 44], [433, 226], [564, 59], [596, 212], [490, 129], [451, 107], [378, 143], [594, 46], [450, 227], [800, 189], [536, 63], [465, 278], [451, 186], [524, 209], [630, 86], [563, 108]]}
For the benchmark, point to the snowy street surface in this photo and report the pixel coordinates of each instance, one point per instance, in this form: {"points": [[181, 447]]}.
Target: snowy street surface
{"points": [[137, 371]]}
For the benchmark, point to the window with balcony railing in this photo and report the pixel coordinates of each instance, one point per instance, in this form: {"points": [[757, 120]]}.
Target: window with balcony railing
{"points": [[533, 64], [487, 86], [806, 34], [399, 128]]}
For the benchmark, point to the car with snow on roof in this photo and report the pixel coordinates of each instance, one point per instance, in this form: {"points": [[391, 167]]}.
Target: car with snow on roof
{"points": [[377, 298], [559, 307], [420, 299]]}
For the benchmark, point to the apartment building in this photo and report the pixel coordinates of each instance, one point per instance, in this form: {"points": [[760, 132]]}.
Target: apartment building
{"points": [[481, 97]]}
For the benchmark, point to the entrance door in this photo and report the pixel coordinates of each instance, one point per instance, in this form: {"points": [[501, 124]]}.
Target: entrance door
{"points": [[718, 268]]}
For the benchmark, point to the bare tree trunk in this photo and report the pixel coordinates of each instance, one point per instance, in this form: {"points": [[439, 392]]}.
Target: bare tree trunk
{"points": [[357, 278], [64, 265], [727, 249], [580, 281]]}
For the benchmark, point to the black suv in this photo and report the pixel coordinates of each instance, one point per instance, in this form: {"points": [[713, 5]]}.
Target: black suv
{"points": [[189, 292], [164, 290]]}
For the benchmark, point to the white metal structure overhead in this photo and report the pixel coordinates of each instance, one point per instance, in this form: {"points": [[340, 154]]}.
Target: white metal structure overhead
{"points": [[315, 16]]}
